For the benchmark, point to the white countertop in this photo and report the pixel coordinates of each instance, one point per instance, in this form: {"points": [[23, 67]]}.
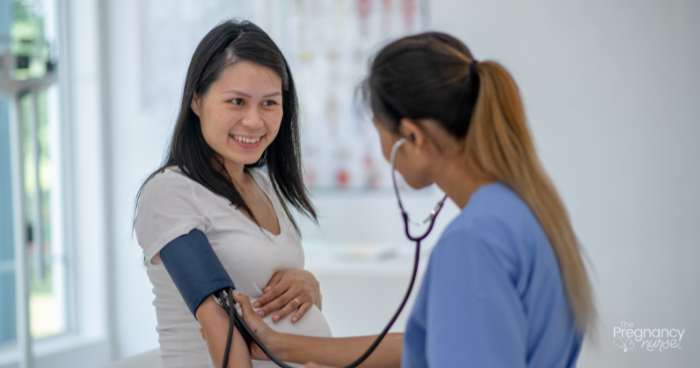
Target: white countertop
{"points": [[359, 258]]}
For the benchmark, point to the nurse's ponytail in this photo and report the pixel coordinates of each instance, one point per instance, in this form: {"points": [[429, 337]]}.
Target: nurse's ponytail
{"points": [[434, 75], [500, 144]]}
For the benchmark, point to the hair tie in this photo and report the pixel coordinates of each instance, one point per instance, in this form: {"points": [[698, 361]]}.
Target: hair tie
{"points": [[472, 67]]}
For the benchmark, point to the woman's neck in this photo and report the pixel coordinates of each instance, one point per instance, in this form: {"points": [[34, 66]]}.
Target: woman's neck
{"points": [[237, 174]]}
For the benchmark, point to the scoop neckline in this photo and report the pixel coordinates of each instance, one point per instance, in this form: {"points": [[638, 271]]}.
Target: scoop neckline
{"points": [[253, 175], [254, 172]]}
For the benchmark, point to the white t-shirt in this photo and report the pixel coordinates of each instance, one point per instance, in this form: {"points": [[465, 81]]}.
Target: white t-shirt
{"points": [[171, 204]]}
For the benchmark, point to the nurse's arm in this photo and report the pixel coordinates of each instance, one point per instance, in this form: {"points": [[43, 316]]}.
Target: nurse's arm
{"points": [[332, 351], [214, 322], [339, 351]]}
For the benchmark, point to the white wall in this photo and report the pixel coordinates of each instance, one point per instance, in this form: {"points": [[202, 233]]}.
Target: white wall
{"points": [[611, 92], [134, 147]]}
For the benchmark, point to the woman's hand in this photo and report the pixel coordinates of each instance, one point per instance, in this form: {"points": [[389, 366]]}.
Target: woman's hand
{"points": [[291, 291], [314, 365]]}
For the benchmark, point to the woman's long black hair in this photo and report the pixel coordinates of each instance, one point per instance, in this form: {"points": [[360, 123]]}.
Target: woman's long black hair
{"points": [[225, 44]]}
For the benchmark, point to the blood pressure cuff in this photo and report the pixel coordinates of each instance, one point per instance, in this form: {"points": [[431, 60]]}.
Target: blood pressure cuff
{"points": [[194, 268]]}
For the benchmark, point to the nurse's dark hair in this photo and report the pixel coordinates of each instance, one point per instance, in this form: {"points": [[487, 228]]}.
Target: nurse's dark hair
{"points": [[434, 76], [227, 43]]}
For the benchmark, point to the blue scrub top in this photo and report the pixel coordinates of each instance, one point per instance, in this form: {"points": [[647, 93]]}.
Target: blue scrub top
{"points": [[492, 294]]}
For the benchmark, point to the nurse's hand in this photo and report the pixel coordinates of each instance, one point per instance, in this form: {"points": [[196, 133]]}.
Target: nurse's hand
{"points": [[258, 326], [291, 291]]}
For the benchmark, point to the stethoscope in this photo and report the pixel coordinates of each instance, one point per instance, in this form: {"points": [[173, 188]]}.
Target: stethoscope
{"points": [[236, 320]]}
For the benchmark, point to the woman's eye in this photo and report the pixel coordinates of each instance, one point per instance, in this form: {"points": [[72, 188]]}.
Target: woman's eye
{"points": [[269, 103], [237, 101]]}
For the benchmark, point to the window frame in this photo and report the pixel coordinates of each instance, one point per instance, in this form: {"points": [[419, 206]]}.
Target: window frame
{"points": [[85, 336]]}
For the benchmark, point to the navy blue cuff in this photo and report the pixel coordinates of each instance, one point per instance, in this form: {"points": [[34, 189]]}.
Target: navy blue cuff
{"points": [[194, 268]]}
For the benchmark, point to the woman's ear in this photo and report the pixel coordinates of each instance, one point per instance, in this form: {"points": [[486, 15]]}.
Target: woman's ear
{"points": [[194, 105]]}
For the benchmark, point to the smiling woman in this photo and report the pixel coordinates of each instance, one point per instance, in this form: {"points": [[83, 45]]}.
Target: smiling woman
{"points": [[241, 113], [232, 170]]}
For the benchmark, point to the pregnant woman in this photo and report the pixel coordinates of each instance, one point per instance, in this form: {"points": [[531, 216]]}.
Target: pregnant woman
{"points": [[231, 175]]}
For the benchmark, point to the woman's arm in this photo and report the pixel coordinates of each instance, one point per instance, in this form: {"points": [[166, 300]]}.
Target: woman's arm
{"points": [[325, 350], [214, 322]]}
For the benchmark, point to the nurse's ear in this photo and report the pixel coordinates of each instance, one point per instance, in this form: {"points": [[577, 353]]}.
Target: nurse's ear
{"points": [[195, 104], [409, 129], [417, 135]]}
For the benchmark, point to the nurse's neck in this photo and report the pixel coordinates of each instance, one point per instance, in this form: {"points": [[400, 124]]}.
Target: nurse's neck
{"points": [[458, 182]]}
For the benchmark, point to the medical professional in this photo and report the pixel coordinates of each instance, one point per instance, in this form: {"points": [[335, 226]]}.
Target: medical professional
{"points": [[506, 285], [230, 179]]}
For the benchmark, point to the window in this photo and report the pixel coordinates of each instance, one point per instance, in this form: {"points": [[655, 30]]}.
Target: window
{"points": [[30, 143], [7, 280]]}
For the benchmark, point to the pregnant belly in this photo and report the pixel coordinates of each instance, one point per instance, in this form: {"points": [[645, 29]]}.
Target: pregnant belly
{"points": [[312, 324]]}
